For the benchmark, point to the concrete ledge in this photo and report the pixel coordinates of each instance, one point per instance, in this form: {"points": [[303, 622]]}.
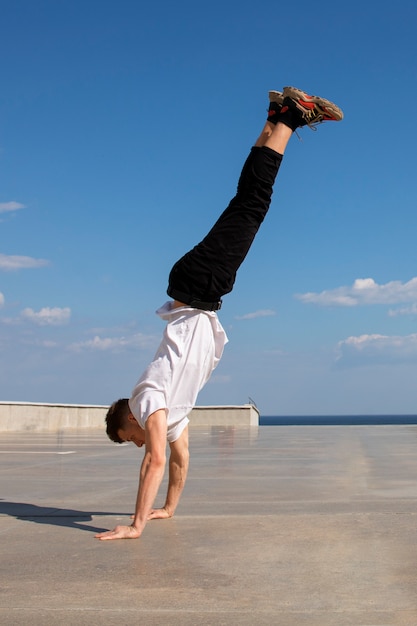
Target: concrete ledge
{"points": [[39, 417], [244, 415]]}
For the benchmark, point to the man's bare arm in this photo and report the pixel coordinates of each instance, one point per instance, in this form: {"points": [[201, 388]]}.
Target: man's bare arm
{"points": [[178, 469], [151, 474]]}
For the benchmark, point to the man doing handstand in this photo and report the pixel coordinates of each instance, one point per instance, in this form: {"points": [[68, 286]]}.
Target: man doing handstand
{"points": [[193, 341]]}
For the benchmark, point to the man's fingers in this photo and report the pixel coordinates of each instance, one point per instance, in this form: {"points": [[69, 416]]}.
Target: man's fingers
{"points": [[108, 534]]}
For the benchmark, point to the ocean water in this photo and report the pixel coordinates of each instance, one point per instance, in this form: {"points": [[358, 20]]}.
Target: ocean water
{"points": [[335, 420]]}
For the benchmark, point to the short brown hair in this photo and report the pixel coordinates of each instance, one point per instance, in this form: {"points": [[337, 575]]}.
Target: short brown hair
{"points": [[116, 419]]}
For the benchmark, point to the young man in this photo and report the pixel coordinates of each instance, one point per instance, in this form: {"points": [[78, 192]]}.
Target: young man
{"points": [[194, 339]]}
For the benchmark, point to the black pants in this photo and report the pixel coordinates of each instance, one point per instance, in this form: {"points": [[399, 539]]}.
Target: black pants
{"points": [[208, 271]]}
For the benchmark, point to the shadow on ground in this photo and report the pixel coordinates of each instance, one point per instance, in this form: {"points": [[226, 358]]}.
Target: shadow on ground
{"points": [[54, 516]]}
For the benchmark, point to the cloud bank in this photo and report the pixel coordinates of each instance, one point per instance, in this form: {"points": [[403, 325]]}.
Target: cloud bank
{"points": [[408, 310], [114, 344], [47, 316], [13, 262], [6, 207], [377, 349], [364, 291]]}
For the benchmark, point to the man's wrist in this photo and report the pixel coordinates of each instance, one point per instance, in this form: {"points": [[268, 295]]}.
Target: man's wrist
{"points": [[169, 510], [137, 526]]}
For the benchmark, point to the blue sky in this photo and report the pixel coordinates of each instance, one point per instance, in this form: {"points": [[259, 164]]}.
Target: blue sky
{"points": [[123, 128]]}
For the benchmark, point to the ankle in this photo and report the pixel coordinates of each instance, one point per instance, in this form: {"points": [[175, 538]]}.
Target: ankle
{"points": [[273, 112], [290, 116]]}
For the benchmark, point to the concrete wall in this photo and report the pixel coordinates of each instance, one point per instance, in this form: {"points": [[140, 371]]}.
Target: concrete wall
{"points": [[37, 417], [244, 415]]}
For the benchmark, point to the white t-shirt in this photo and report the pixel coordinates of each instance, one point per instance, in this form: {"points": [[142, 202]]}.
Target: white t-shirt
{"points": [[191, 347]]}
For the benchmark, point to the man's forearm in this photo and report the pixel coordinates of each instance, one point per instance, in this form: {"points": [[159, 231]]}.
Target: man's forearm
{"points": [[150, 480], [153, 466], [178, 471]]}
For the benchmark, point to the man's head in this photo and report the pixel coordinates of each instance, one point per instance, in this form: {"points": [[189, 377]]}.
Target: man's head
{"points": [[121, 426]]}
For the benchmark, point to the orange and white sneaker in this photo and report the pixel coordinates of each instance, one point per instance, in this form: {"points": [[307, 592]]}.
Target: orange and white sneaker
{"points": [[305, 110]]}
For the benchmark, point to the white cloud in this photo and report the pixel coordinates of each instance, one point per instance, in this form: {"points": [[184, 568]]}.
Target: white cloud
{"points": [[1, 299], [408, 310], [377, 349], [114, 344], [13, 262], [47, 316], [364, 291], [5, 207], [256, 314]]}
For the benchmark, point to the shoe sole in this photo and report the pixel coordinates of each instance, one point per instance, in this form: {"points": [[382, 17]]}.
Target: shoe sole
{"points": [[276, 96], [305, 103]]}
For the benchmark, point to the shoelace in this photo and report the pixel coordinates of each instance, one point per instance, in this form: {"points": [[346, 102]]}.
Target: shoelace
{"points": [[313, 117]]}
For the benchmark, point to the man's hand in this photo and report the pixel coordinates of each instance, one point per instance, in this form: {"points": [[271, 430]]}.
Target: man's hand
{"points": [[159, 514], [120, 532]]}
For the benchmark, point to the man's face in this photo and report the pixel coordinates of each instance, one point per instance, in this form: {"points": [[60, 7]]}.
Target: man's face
{"points": [[132, 432]]}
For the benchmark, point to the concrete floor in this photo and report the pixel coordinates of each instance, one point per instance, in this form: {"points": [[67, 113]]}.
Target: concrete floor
{"points": [[294, 526]]}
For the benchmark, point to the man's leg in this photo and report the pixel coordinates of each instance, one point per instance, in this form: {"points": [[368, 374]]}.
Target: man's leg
{"points": [[208, 271]]}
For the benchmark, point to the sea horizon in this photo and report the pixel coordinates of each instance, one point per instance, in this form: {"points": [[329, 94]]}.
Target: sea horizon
{"points": [[335, 420]]}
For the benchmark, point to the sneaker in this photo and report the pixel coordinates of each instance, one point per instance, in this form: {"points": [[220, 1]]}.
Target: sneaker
{"points": [[275, 103], [311, 109], [277, 97]]}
